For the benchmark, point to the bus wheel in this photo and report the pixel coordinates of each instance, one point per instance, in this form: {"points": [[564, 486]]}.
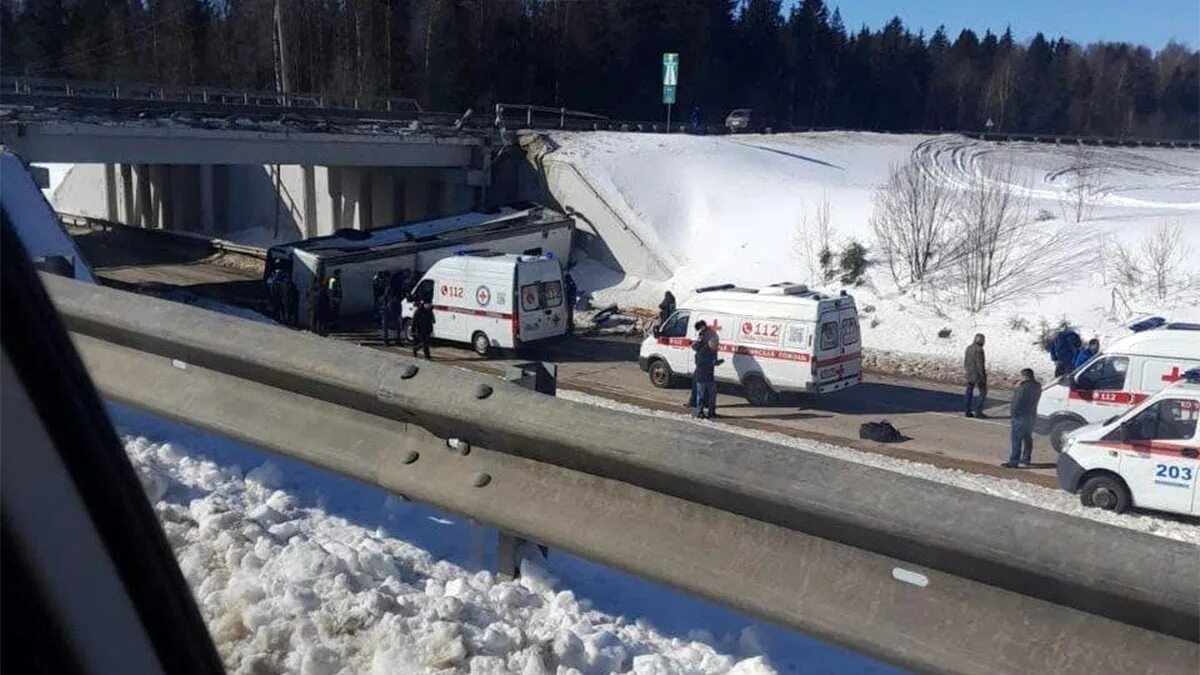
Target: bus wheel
{"points": [[1105, 492], [758, 392], [1059, 431], [660, 374], [481, 344]]}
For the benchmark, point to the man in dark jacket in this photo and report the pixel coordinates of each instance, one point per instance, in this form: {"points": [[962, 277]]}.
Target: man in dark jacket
{"points": [[391, 314], [704, 383], [572, 293], [318, 305], [666, 308], [422, 323], [975, 370], [1024, 412], [291, 302]]}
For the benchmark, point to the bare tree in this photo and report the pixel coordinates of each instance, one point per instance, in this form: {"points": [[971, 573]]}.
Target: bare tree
{"points": [[1089, 185], [811, 241], [912, 223], [1005, 254], [1163, 251]]}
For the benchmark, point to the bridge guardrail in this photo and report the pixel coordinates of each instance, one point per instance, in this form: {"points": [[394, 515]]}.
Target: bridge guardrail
{"points": [[200, 94], [924, 575]]}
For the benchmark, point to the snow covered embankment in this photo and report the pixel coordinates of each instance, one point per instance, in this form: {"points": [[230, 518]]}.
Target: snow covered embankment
{"points": [[285, 587], [749, 210]]}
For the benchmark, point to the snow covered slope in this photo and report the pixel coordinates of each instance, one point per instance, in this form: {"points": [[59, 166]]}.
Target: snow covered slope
{"points": [[301, 571], [731, 209]]}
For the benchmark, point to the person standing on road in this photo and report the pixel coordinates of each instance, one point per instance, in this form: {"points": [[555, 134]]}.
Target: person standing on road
{"points": [[975, 370], [318, 301], [291, 302], [1084, 355], [1063, 347], [422, 323], [666, 308], [704, 382], [391, 314], [335, 299], [1024, 412], [572, 293]]}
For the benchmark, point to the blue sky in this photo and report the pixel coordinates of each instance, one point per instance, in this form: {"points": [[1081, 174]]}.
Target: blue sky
{"points": [[1148, 22]]}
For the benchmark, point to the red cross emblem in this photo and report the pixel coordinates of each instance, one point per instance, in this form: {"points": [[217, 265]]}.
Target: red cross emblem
{"points": [[715, 325], [1172, 376]]}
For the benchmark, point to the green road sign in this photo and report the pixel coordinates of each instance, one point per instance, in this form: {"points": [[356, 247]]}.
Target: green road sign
{"points": [[670, 69], [668, 93]]}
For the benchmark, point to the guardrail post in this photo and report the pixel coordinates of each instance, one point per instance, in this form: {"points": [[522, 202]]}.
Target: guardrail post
{"points": [[562, 118], [528, 117], [542, 378]]}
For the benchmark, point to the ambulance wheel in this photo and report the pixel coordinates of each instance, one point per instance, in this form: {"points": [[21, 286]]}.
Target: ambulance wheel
{"points": [[482, 344], [406, 327], [1105, 492], [758, 392], [1059, 431], [660, 374]]}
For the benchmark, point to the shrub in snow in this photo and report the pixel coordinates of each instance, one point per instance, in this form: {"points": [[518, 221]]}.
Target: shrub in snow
{"points": [[1020, 323], [1087, 185], [1157, 269], [853, 263], [1043, 215], [811, 241], [1005, 254], [912, 223], [944, 333], [1047, 331]]}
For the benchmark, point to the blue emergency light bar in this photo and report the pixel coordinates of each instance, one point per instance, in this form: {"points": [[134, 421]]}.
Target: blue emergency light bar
{"points": [[1147, 324], [1192, 376]]}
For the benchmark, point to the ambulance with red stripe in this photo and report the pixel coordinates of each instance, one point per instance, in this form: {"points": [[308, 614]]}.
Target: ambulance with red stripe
{"points": [[779, 338], [1125, 373], [493, 300], [1145, 457]]}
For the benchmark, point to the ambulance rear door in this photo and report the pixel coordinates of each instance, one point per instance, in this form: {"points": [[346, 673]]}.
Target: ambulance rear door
{"points": [[542, 311], [836, 346]]}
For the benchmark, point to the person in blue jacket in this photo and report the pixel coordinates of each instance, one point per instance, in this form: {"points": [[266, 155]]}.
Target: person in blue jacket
{"points": [[1085, 354], [1063, 348]]}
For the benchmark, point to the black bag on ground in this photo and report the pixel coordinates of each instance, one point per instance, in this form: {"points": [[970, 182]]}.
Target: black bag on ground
{"points": [[880, 432]]}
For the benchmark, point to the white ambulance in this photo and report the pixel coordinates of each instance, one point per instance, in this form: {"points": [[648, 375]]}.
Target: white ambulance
{"points": [[1145, 457], [492, 300], [1125, 373], [783, 337]]}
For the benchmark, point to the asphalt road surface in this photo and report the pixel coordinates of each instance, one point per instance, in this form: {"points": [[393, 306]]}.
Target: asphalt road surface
{"points": [[930, 414]]}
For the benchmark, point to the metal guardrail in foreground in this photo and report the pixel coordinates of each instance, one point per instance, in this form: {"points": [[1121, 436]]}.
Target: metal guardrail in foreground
{"points": [[923, 575]]}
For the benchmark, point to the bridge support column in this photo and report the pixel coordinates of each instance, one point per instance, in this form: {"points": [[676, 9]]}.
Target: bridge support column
{"points": [[160, 196], [110, 193], [129, 213], [363, 201], [208, 223], [383, 198], [416, 195], [309, 187], [142, 195]]}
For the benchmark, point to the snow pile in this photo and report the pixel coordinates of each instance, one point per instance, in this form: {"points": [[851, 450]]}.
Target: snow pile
{"points": [[740, 210], [298, 571], [1163, 525]]}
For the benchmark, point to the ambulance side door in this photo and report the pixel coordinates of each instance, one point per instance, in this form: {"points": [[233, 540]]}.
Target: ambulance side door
{"points": [[1100, 389], [676, 345], [1158, 454]]}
